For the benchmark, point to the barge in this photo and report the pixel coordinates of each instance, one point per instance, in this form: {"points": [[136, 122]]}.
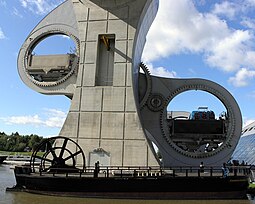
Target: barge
{"points": [[58, 173], [134, 183]]}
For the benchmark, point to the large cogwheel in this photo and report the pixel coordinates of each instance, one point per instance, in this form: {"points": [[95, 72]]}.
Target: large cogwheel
{"points": [[143, 100]]}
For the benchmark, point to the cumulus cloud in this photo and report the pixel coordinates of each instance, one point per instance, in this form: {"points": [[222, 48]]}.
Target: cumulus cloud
{"points": [[2, 36], [182, 30], [185, 30], [231, 9], [232, 52], [161, 71], [56, 118], [226, 8], [248, 22], [242, 77], [51, 118], [23, 120], [40, 7]]}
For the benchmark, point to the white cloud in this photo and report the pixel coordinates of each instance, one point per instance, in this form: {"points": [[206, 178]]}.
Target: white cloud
{"points": [[180, 28], [2, 36], [15, 12], [54, 112], [232, 52], [231, 9], [23, 120], [242, 77], [40, 7], [161, 71], [248, 22], [226, 8], [54, 119]]}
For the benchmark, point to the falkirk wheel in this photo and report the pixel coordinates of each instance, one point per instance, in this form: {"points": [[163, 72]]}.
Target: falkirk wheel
{"points": [[118, 113]]}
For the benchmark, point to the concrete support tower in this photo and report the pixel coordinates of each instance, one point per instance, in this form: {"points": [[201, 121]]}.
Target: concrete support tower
{"points": [[118, 112], [100, 79]]}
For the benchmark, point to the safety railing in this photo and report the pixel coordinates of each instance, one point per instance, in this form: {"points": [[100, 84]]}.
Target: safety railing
{"points": [[146, 172]]}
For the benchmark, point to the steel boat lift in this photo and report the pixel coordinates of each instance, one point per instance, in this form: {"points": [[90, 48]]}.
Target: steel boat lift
{"points": [[118, 113]]}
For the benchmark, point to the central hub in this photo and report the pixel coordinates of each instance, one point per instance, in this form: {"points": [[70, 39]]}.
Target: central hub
{"points": [[58, 162]]}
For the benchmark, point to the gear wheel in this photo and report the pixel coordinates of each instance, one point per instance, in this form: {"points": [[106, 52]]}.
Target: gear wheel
{"points": [[147, 94], [180, 149], [156, 102]]}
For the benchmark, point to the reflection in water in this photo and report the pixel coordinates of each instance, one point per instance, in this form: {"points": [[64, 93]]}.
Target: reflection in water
{"points": [[7, 180], [24, 198]]}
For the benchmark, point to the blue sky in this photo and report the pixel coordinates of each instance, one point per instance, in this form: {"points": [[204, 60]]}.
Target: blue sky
{"points": [[214, 40]]}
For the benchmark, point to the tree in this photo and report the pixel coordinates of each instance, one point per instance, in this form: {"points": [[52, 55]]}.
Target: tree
{"points": [[3, 141], [16, 142], [34, 141], [20, 147]]}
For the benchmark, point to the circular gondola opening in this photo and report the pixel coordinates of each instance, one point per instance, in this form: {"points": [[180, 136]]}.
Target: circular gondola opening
{"points": [[52, 59], [197, 122]]}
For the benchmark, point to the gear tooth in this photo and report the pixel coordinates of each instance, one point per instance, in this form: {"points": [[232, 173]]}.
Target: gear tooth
{"points": [[149, 88], [149, 72]]}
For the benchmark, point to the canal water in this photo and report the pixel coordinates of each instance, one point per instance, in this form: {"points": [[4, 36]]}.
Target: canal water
{"points": [[7, 180]]}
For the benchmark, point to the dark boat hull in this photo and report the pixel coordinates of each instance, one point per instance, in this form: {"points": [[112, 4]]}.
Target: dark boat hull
{"points": [[136, 188]]}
